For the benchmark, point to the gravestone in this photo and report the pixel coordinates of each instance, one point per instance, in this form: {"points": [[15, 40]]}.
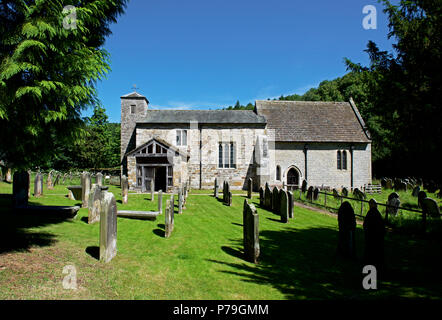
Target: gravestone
{"points": [[20, 189], [8, 176], [347, 228], [421, 196], [64, 178], [99, 179], [49, 183], [250, 232], [38, 185], [383, 183], [268, 197], [336, 194], [169, 217], [124, 189], [94, 206], [416, 190], [283, 206], [108, 227], [57, 179], [86, 188], [152, 190], [393, 195], [310, 193], [215, 191], [430, 207], [304, 186], [400, 185], [275, 200], [229, 199], [29, 184], [344, 192], [291, 203], [315, 194], [374, 232], [160, 201], [250, 188], [388, 184], [393, 206], [261, 197], [180, 201]]}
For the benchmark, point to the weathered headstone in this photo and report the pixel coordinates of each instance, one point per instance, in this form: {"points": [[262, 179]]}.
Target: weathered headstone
{"points": [[347, 227], [430, 207], [20, 188], [416, 190], [304, 186], [99, 179], [400, 185], [261, 197], [336, 194], [393, 205], [169, 217], [315, 194], [310, 193], [268, 197], [291, 203], [344, 192], [421, 196], [229, 199], [215, 192], [250, 188], [86, 188], [383, 183], [250, 232], [388, 184], [124, 189], [94, 206], [275, 200], [38, 185], [374, 232], [160, 201], [283, 206], [152, 190], [180, 200], [57, 179], [108, 227], [49, 183], [8, 175], [29, 184]]}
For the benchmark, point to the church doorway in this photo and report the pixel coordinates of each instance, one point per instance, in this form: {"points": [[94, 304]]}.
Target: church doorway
{"points": [[292, 179]]}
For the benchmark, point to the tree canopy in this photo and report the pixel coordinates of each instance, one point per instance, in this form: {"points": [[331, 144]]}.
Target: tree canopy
{"points": [[48, 73]]}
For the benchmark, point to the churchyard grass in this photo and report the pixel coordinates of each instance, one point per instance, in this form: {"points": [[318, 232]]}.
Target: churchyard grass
{"points": [[203, 257]]}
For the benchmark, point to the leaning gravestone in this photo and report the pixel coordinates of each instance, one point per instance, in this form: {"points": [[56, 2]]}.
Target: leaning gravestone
{"points": [[99, 179], [416, 190], [283, 206], [291, 203], [310, 193], [57, 178], [38, 185], [250, 188], [430, 207], [94, 206], [86, 188], [374, 232], [20, 188], [124, 189], [347, 228], [108, 227], [250, 232], [261, 197]]}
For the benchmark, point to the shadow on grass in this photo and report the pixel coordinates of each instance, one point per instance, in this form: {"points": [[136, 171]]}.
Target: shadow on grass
{"points": [[94, 252], [85, 220], [303, 264], [159, 232]]}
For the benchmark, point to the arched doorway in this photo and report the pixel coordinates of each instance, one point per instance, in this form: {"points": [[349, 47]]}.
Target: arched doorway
{"points": [[292, 179]]}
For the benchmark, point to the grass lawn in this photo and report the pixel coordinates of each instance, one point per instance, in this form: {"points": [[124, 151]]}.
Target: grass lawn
{"points": [[203, 258]]}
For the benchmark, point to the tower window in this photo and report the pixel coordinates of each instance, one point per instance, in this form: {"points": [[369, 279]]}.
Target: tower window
{"points": [[133, 108]]}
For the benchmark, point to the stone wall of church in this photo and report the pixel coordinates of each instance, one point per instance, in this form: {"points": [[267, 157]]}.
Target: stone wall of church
{"points": [[321, 163]]}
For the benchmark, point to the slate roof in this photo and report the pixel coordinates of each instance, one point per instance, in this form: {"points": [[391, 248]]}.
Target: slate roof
{"points": [[203, 116], [308, 121], [134, 95]]}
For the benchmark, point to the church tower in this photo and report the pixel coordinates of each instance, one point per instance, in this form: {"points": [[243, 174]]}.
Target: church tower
{"points": [[133, 108]]}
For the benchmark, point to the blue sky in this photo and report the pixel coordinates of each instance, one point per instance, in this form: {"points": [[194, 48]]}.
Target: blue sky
{"points": [[206, 54]]}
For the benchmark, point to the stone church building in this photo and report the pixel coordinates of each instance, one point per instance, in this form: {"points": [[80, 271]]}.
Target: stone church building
{"points": [[280, 142]]}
